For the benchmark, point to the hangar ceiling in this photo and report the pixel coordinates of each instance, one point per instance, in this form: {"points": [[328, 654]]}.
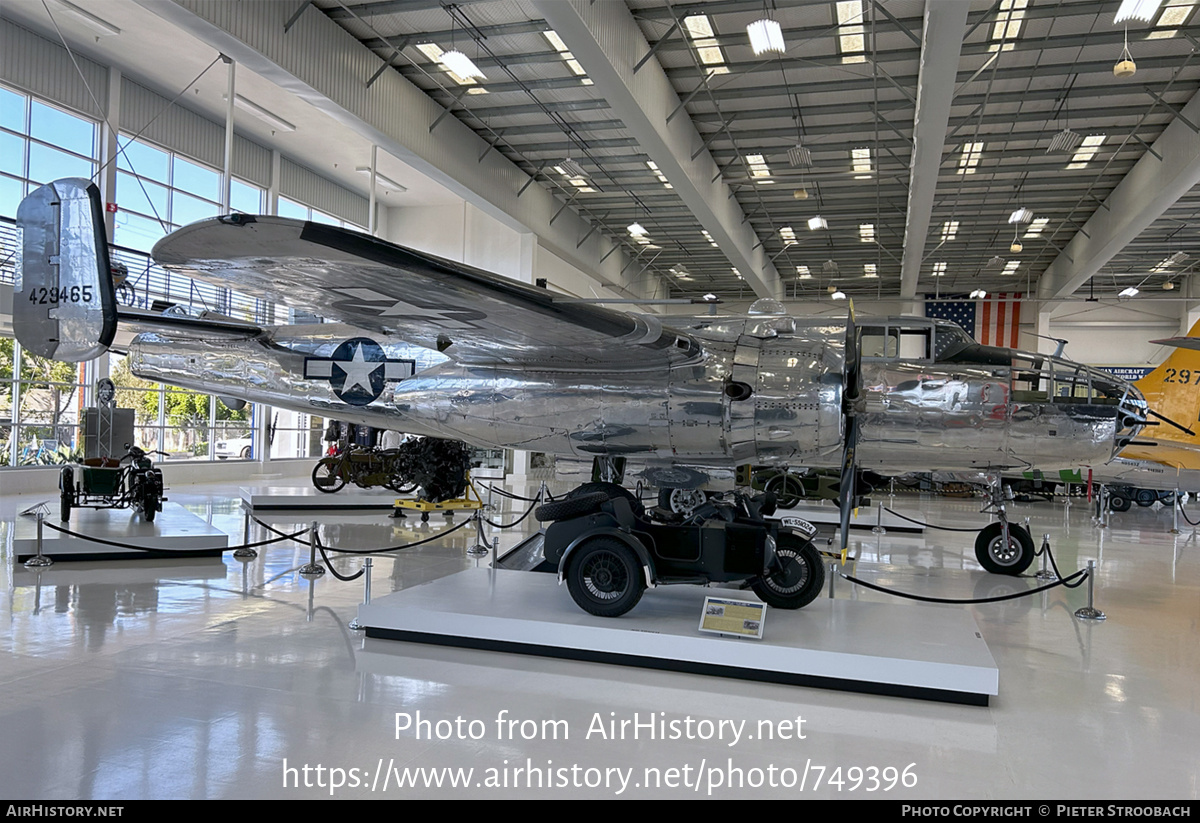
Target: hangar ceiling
{"points": [[914, 129], [852, 92]]}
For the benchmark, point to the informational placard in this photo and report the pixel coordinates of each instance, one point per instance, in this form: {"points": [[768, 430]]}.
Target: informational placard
{"points": [[742, 618]]}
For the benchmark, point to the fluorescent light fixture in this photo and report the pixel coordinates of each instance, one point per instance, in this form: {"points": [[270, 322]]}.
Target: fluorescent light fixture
{"points": [[1065, 141], [800, 157], [570, 168], [1021, 215], [866, 232], [838, 295], [870, 270], [765, 36], [276, 122], [829, 267], [1143, 10], [636, 229], [100, 27], [803, 273], [461, 65], [817, 223], [788, 235], [978, 294], [1129, 292], [381, 180]]}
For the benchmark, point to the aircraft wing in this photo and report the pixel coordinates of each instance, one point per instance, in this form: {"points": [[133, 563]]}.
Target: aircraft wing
{"points": [[1192, 343], [471, 315]]}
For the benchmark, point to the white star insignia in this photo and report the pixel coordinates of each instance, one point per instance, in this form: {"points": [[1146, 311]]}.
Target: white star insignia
{"points": [[358, 371]]}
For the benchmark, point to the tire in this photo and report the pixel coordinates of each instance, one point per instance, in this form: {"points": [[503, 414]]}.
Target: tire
{"points": [[681, 501], [245, 454], [604, 577], [149, 504], [992, 555], [1145, 497], [1119, 503], [798, 582], [788, 490], [67, 484], [327, 475], [611, 490], [570, 507]]}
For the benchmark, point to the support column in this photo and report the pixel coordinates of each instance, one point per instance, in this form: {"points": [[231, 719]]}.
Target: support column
{"points": [[109, 132], [1044, 346]]}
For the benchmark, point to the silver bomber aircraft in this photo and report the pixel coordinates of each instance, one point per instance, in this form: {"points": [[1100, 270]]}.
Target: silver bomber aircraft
{"points": [[433, 347]]}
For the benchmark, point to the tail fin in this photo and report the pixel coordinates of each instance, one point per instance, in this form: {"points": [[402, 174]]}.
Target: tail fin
{"points": [[1173, 389], [64, 305]]}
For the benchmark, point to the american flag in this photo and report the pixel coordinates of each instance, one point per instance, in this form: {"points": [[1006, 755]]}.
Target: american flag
{"points": [[993, 321]]}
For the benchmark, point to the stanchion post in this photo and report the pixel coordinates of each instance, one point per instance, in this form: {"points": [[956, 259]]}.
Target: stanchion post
{"points": [[1175, 513], [1090, 612], [481, 542], [1044, 572], [878, 527], [833, 574], [40, 560], [354, 624], [312, 568]]}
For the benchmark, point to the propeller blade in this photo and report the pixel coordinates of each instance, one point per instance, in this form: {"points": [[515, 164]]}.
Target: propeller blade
{"points": [[1171, 422], [852, 392]]}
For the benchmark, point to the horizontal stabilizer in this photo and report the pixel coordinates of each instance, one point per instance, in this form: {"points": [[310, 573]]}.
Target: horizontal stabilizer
{"points": [[64, 305]]}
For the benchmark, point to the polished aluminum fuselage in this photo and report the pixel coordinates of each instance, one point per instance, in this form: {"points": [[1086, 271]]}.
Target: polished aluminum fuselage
{"points": [[913, 415]]}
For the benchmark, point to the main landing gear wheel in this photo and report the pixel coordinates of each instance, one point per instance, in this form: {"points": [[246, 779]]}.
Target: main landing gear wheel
{"points": [[1146, 498], [998, 558], [1119, 503], [681, 501], [788, 490], [326, 476], [604, 577], [797, 580]]}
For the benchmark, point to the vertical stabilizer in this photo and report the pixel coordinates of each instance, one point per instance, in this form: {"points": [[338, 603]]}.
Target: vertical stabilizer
{"points": [[64, 305], [1173, 390]]}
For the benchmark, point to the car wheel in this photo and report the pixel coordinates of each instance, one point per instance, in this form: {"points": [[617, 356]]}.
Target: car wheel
{"points": [[681, 501], [797, 579], [1145, 497], [245, 455], [570, 507], [788, 490], [998, 558], [604, 577], [327, 476]]}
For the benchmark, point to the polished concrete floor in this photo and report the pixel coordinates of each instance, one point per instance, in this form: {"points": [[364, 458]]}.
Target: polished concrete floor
{"points": [[223, 679]]}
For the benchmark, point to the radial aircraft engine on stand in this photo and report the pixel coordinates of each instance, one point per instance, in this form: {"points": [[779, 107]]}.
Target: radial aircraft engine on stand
{"points": [[429, 346]]}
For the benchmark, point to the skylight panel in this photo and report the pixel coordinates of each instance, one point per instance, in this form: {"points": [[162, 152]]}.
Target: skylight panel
{"points": [[866, 232], [803, 273], [1011, 267], [969, 158], [788, 235], [1036, 227], [700, 29], [862, 163], [870, 270], [662, 178], [559, 46], [758, 169], [852, 39], [434, 53], [708, 237], [1007, 27], [1087, 150], [1172, 17], [949, 229], [738, 273], [939, 269]]}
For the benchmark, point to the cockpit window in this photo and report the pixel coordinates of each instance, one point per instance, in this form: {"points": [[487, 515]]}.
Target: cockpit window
{"points": [[896, 343]]}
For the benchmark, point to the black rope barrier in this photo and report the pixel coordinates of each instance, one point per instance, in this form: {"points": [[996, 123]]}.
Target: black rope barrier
{"points": [[274, 530], [1179, 503], [102, 541], [1082, 573], [516, 522], [333, 571], [929, 525], [511, 495]]}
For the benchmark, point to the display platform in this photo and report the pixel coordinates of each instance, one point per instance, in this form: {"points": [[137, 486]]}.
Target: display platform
{"points": [[260, 498], [925, 652], [175, 532], [826, 513]]}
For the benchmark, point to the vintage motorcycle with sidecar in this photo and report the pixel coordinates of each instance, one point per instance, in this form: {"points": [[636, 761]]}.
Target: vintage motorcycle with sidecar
{"points": [[130, 481], [609, 548]]}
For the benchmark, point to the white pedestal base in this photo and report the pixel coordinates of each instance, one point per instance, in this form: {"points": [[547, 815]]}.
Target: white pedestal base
{"points": [[927, 652], [302, 497], [175, 532]]}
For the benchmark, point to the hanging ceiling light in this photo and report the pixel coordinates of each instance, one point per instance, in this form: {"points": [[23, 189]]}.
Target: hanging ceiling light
{"points": [[1143, 10], [1129, 292], [799, 156], [1021, 215], [978, 294], [571, 168], [765, 36], [1065, 141], [461, 65], [1016, 243], [829, 267], [636, 229], [817, 223], [838, 294], [800, 193]]}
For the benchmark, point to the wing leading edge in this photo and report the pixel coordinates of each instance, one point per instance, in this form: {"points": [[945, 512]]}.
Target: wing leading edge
{"points": [[471, 315]]}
